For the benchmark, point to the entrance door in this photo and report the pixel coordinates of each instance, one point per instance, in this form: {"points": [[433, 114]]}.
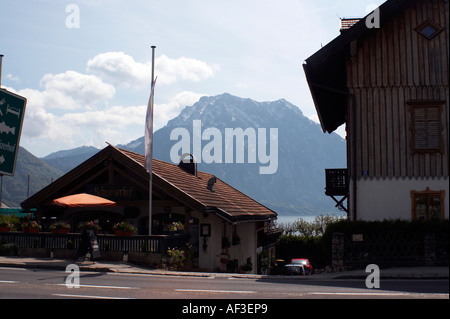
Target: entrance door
{"points": [[194, 239]]}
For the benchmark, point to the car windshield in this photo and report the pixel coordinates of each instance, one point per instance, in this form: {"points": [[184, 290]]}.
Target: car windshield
{"points": [[299, 261]]}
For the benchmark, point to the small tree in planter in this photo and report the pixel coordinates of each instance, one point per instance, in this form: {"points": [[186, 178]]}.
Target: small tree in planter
{"points": [[60, 228], [5, 224], [88, 225], [31, 226], [123, 229], [175, 227]]}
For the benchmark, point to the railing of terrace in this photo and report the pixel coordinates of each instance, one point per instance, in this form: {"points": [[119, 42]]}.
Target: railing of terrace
{"points": [[153, 244]]}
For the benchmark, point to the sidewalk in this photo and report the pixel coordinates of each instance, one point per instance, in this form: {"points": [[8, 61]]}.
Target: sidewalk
{"points": [[123, 267]]}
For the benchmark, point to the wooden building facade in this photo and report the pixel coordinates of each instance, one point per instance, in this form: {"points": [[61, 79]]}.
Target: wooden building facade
{"points": [[389, 85]]}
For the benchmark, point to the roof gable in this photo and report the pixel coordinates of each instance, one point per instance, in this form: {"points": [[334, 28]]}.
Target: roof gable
{"points": [[191, 190]]}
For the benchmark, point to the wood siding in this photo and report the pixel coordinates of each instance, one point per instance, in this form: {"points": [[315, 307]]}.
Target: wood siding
{"points": [[392, 66]]}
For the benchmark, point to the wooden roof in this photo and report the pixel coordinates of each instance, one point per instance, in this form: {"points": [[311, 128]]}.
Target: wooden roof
{"points": [[326, 70], [225, 201]]}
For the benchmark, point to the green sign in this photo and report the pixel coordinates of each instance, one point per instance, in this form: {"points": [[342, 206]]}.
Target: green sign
{"points": [[12, 111]]}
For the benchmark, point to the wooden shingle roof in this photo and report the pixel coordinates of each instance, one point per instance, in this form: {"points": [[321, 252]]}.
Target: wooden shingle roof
{"points": [[225, 200]]}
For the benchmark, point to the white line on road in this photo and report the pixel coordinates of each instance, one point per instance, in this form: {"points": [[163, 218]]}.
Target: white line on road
{"points": [[96, 286], [217, 291], [87, 296], [8, 282]]}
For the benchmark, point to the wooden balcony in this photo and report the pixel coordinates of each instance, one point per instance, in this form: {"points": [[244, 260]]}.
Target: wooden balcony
{"points": [[337, 184]]}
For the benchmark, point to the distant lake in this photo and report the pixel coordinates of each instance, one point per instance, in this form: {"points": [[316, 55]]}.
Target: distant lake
{"points": [[283, 219]]}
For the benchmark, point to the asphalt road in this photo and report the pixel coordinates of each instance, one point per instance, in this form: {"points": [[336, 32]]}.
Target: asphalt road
{"points": [[21, 283]]}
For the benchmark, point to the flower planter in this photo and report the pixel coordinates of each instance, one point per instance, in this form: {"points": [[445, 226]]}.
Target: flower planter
{"points": [[123, 233], [4, 229]]}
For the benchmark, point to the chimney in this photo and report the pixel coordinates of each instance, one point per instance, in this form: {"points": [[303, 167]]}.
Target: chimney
{"points": [[348, 23], [211, 183], [188, 165]]}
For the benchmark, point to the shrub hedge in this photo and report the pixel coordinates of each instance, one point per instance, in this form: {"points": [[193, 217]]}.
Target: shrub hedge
{"points": [[318, 249]]}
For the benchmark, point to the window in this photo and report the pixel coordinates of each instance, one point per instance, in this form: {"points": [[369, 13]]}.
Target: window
{"points": [[429, 29], [427, 204], [426, 127]]}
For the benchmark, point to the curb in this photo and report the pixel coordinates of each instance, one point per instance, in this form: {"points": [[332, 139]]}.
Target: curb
{"points": [[134, 269]]}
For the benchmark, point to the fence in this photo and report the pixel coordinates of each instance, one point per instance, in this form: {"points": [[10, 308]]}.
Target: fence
{"points": [[152, 244], [389, 249]]}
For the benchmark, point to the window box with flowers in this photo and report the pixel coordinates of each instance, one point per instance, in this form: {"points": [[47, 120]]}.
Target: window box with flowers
{"points": [[60, 228], [8, 223], [88, 225], [31, 226], [123, 229], [175, 227], [5, 226]]}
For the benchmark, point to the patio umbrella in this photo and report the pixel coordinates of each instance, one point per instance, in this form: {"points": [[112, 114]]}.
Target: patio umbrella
{"points": [[83, 200]]}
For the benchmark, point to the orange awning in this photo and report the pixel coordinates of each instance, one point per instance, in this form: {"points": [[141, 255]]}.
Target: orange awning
{"points": [[83, 200]]}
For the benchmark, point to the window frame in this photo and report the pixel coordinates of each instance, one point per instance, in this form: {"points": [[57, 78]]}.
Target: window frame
{"points": [[428, 195], [429, 23], [426, 106]]}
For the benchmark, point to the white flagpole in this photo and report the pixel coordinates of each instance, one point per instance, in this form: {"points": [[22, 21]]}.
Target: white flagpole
{"points": [[149, 141]]}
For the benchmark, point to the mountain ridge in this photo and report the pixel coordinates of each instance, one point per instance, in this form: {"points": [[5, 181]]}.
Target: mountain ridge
{"points": [[304, 151]]}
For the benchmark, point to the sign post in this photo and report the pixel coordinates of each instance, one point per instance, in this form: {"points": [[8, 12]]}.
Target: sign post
{"points": [[12, 111]]}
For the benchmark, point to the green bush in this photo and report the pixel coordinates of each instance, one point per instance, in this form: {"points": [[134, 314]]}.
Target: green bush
{"points": [[386, 226], [10, 219]]}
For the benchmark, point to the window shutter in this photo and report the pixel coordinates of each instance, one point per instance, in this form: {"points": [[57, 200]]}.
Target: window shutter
{"points": [[426, 127]]}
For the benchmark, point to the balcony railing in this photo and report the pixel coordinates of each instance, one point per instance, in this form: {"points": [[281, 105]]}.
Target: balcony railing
{"points": [[336, 182], [153, 244]]}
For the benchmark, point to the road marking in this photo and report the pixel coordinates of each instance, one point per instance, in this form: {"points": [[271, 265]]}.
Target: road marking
{"points": [[8, 282], [87, 296], [96, 286], [217, 291], [375, 294], [13, 268]]}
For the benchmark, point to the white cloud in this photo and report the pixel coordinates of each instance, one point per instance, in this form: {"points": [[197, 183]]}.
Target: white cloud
{"points": [[46, 129], [87, 90], [314, 118], [121, 69], [72, 109], [167, 111], [12, 78], [171, 70]]}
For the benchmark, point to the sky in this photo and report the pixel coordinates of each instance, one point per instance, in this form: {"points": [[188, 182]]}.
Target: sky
{"points": [[85, 65]]}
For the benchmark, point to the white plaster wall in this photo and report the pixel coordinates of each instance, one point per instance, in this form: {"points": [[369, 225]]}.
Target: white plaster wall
{"points": [[247, 248], [391, 199], [210, 259]]}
